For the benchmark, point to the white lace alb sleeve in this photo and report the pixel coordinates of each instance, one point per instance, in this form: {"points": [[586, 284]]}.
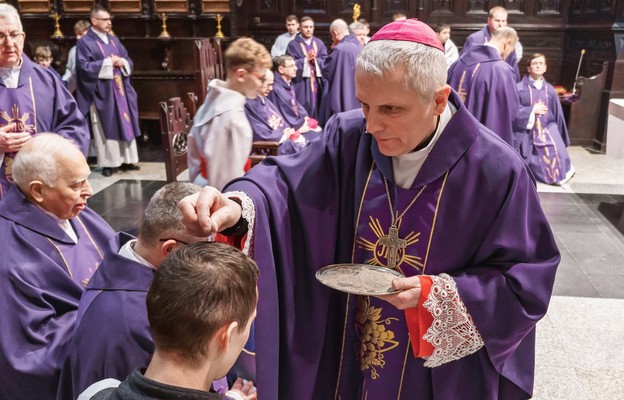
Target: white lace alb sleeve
{"points": [[249, 214], [453, 333]]}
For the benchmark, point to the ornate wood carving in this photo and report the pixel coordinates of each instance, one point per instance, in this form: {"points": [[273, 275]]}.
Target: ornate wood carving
{"points": [[548, 7], [34, 6]]}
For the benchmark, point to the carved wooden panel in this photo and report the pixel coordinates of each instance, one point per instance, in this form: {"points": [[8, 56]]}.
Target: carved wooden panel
{"points": [[303, 7], [514, 6], [478, 7], [171, 6], [77, 6], [34, 6], [215, 6], [441, 7], [124, 6], [548, 7], [392, 6]]}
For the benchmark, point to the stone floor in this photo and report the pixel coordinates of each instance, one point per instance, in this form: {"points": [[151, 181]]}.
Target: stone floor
{"points": [[580, 342]]}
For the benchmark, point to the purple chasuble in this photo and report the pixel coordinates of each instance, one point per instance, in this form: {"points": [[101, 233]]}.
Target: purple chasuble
{"points": [[486, 85], [267, 124], [115, 99], [482, 223], [111, 349], [543, 147], [482, 37], [39, 103], [44, 271], [307, 89], [339, 70], [283, 98]]}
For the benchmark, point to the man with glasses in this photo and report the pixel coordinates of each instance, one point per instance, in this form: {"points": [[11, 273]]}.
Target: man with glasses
{"points": [[116, 294], [221, 138], [309, 53], [32, 100], [106, 95]]}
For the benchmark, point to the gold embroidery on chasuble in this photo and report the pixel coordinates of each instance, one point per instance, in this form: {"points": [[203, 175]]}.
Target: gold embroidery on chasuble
{"points": [[20, 121], [119, 84], [274, 121], [380, 327]]}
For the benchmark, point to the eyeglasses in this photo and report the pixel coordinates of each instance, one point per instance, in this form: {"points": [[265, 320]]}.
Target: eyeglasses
{"points": [[177, 240], [256, 74], [104, 19], [15, 36]]}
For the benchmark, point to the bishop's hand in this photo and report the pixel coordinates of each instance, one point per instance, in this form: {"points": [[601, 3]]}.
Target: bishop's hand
{"points": [[208, 212], [409, 294], [12, 141]]}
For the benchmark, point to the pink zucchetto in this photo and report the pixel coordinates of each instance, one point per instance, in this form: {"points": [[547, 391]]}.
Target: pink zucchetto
{"points": [[409, 30]]}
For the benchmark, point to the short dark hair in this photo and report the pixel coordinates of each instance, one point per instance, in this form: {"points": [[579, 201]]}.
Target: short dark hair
{"points": [[97, 9], [306, 18], [440, 27], [280, 61], [197, 290], [534, 56], [292, 18]]}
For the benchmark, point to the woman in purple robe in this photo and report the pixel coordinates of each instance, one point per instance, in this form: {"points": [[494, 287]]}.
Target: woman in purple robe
{"points": [[540, 132], [414, 183]]}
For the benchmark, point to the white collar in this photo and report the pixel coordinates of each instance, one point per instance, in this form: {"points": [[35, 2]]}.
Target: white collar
{"points": [[62, 223], [101, 35], [127, 251]]}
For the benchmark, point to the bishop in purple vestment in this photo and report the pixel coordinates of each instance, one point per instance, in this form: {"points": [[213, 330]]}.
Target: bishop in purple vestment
{"points": [[52, 246], [417, 169], [112, 335], [497, 18], [339, 72], [540, 132], [32, 100], [486, 84], [309, 53]]}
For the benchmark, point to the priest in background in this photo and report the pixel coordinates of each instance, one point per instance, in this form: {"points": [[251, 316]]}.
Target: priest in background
{"points": [[309, 53], [268, 124], [339, 70], [32, 100], [487, 85], [106, 95], [540, 131], [412, 182], [52, 244]]}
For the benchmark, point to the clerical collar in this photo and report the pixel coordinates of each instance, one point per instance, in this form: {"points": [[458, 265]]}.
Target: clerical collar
{"points": [[101, 35], [62, 223], [308, 41], [407, 166], [127, 251], [537, 83], [10, 75]]}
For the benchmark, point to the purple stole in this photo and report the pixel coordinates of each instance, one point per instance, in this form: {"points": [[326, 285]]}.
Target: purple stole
{"points": [[293, 100], [121, 102], [25, 119], [382, 343], [545, 146], [465, 82], [84, 256], [306, 48]]}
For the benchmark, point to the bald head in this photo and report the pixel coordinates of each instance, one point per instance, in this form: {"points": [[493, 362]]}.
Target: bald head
{"points": [[267, 83], [338, 29], [505, 40]]}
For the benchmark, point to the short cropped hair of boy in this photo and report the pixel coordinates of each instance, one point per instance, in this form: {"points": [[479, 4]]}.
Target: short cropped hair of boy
{"points": [[221, 138], [200, 306], [43, 56]]}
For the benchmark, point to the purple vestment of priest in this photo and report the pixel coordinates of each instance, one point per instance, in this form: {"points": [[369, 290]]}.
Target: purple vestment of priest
{"points": [[44, 273], [543, 147], [339, 70], [284, 98], [115, 99], [112, 335], [479, 221], [39, 103], [268, 124], [483, 36], [486, 85], [308, 83]]}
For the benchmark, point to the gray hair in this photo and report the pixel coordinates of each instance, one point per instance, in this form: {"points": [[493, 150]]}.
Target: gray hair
{"points": [[357, 26], [40, 157], [424, 66], [162, 217], [505, 33], [9, 12], [340, 26]]}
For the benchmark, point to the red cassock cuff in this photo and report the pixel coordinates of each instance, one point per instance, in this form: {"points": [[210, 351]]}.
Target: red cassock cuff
{"points": [[419, 319], [234, 240]]}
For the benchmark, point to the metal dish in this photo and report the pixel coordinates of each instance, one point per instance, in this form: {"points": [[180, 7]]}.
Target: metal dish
{"points": [[361, 279]]}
